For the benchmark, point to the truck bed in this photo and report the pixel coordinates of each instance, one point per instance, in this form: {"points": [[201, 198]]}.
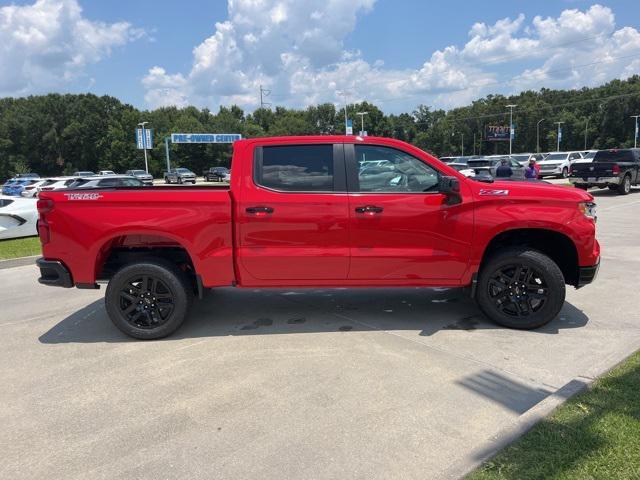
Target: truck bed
{"points": [[198, 219]]}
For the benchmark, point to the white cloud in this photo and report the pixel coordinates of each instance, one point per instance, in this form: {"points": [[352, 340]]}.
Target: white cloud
{"points": [[296, 48], [46, 45]]}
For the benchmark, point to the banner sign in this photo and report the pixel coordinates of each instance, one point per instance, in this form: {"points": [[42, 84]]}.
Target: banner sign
{"points": [[497, 133], [144, 142], [349, 127], [205, 137]]}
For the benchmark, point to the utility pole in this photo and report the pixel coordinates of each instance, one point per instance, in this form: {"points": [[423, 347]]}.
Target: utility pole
{"points": [[586, 126], [511, 132], [264, 93], [538, 135], [635, 137], [559, 136], [474, 143], [144, 145], [362, 114]]}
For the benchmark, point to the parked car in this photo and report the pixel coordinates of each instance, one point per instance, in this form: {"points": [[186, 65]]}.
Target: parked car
{"points": [[18, 217], [303, 214], [106, 172], [179, 175], [31, 191], [16, 186], [616, 169], [111, 181], [82, 173], [216, 174], [558, 164], [141, 175], [55, 183], [488, 166], [27, 175], [522, 158]]}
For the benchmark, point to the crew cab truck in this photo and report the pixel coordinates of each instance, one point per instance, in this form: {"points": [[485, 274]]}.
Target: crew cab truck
{"points": [[300, 212], [615, 169]]}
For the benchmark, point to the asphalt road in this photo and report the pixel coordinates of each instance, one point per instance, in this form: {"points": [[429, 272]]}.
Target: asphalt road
{"points": [[317, 384]]}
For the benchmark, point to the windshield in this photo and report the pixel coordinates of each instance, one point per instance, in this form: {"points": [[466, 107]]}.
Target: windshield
{"points": [[556, 156], [138, 172], [183, 170]]}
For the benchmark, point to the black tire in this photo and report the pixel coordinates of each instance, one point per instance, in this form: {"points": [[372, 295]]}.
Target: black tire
{"points": [[149, 299], [180, 180], [194, 182], [565, 172], [625, 187], [517, 278]]}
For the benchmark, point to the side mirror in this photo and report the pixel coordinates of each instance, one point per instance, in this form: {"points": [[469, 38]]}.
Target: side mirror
{"points": [[450, 186]]}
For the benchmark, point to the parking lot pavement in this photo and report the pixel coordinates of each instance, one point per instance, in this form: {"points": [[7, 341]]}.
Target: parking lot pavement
{"points": [[317, 384]]}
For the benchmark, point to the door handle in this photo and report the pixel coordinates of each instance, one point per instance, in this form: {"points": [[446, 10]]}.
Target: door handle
{"points": [[259, 209], [369, 209]]}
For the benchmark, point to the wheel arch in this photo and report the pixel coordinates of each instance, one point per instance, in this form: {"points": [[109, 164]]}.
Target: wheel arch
{"points": [[556, 245]]}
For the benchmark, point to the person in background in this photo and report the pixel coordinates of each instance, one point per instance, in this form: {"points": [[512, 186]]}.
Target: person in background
{"points": [[531, 172], [504, 170]]}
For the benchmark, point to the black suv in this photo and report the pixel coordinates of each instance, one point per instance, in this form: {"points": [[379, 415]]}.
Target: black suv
{"points": [[216, 174]]}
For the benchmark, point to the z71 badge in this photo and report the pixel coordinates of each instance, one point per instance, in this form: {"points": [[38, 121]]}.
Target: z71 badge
{"points": [[83, 196], [486, 191]]}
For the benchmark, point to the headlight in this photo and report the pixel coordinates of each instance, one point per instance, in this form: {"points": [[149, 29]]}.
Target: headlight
{"points": [[588, 209]]}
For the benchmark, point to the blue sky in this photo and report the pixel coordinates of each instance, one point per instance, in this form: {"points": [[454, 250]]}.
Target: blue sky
{"points": [[395, 53]]}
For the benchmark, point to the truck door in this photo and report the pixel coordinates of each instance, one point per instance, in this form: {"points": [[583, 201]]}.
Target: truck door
{"points": [[292, 216], [403, 231]]}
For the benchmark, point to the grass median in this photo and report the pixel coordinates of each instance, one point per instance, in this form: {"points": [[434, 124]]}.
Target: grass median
{"points": [[595, 435], [19, 247]]}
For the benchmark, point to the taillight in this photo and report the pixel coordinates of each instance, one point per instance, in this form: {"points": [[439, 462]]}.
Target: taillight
{"points": [[45, 205], [616, 169]]}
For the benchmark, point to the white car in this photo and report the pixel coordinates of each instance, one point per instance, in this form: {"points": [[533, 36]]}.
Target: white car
{"points": [[31, 191], [56, 183], [558, 164], [18, 217], [106, 172]]}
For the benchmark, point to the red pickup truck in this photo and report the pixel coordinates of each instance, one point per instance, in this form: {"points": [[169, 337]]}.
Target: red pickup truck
{"points": [[328, 211]]}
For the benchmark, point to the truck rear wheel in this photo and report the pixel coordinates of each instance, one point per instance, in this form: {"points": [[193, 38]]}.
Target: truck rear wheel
{"points": [[625, 187], [521, 288], [149, 299]]}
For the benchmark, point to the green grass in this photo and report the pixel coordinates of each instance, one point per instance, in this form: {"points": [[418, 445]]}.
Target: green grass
{"points": [[19, 247], [595, 435]]}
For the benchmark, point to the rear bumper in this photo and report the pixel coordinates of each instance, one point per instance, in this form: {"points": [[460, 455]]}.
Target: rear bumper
{"points": [[602, 181], [586, 275], [53, 273]]}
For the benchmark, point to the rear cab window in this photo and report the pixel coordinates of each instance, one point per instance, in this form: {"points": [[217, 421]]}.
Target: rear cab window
{"points": [[614, 156], [296, 168]]}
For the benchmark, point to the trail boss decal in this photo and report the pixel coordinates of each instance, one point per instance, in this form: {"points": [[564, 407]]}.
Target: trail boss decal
{"points": [[485, 191], [83, 196]]}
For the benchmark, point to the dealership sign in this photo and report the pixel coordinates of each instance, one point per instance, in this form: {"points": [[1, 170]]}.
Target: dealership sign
{"points": [[496, 133], [205, 137]]}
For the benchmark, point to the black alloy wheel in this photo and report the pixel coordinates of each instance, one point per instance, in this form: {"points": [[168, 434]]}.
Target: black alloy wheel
{"points": [[146, 301], [518, 290]]}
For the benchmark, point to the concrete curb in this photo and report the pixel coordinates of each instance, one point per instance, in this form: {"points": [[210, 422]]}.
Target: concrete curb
{"points": [[531, 417], [18, 262]]}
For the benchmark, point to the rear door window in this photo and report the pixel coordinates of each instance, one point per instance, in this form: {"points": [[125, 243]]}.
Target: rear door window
{"points": [[296, 168]]}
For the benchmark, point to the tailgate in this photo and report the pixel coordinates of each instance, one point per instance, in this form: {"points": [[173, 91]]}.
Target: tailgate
{"points": [[592, 170]]}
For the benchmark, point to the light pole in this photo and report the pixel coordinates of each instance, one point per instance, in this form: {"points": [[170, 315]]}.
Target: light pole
{"points": [[462, 144], [346, 119], [362, 114], [538, 135], [635, 137], [511, 107], [559, 136], [586, 126], [144, 145]]}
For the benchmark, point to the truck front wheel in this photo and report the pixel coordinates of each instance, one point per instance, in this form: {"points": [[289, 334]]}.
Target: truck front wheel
{"points": [[521, 288], [149, 299]]}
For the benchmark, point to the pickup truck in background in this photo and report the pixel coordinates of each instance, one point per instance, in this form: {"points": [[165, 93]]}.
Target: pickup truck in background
{"points": [[301, 212], [179, 175], [616, 169], [216, 174]]}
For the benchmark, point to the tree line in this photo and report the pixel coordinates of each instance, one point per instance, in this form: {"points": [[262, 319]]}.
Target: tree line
{"points": [[57, 134]]}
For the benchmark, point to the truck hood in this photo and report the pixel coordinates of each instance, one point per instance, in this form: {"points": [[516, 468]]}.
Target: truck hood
{"points": [[535, 191]]}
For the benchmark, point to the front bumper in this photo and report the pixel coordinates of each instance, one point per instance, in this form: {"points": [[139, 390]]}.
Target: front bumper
{"points": [[587, 275], [53, 273]]}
